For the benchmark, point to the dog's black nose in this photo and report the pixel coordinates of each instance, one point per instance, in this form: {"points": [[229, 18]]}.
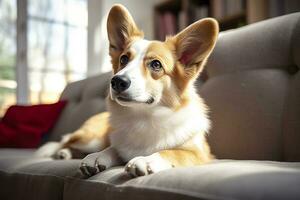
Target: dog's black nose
{"points": [[120, 83]]}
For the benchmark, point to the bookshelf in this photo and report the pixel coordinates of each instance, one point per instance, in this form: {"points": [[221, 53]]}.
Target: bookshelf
{"points": [[172, 16]]}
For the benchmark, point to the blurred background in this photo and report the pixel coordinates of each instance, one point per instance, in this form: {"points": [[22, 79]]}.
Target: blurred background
{"points": [[45, 44]]}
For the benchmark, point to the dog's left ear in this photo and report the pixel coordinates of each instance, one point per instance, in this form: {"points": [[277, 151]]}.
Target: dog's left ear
{"points": [[195, 43], [120, 27]]}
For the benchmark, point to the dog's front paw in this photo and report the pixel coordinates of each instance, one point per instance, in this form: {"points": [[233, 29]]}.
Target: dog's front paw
{"points": [[145, 165], [98, 162], [92, 164]]}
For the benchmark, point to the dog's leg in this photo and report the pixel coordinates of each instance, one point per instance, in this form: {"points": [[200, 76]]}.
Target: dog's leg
{"points": [[63, 154], [48, 150], [144, 165], [57, 150], [90, 137], [187, 155], [98, 162]]}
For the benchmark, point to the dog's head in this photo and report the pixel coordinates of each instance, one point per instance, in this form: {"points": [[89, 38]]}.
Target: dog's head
{"points": [[153, 72]]}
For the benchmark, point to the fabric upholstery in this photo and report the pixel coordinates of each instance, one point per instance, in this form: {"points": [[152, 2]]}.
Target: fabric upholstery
{"points": [[36, 178], [252, 86], [225, 179], [85, 98], [22, 176], [252, 90]]}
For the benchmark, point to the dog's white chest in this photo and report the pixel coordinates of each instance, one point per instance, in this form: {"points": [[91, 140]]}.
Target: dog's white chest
{"points": [[144, 134]]}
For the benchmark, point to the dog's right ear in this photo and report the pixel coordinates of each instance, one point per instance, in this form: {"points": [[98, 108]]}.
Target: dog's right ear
{"points": [[120, 28]]}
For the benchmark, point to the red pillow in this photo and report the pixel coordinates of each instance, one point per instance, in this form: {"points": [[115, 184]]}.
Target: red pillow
{"points": [[24, 126]]}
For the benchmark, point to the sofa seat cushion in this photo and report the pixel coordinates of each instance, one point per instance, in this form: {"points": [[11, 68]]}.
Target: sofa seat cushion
{"points": [[24, 161], [226, 179], [25, 177]]}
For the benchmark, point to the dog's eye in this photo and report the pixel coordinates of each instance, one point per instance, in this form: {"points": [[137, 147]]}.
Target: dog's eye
{"points": [[124, 60], [155, 65]]}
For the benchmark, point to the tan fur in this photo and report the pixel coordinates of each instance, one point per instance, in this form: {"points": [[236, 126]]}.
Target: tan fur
{"points": [[189, 154], [123, 30], [96, 127], [182, 61]]}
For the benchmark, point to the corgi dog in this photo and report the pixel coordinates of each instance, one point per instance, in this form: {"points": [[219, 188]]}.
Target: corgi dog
{"points": [[155, 119]]}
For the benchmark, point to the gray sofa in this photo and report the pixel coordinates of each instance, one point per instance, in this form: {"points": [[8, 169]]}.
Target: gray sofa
{"points": [[252, 86]]}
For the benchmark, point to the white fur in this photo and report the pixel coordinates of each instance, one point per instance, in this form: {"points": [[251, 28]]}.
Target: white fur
{"points": [[144, 131], [48, 150], [144, 165], [133, 71], [64, 154]]}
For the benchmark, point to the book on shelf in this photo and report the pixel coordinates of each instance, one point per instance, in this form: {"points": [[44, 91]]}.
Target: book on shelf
{"points": [[160, 27], [197, 12], [226, 8], [170, 23], [201, 12], [167, 25], [182, 20]]}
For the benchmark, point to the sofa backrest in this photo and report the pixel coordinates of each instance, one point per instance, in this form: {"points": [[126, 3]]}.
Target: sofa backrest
{"points": [[85, 98], [253, 91], [252, 87]]}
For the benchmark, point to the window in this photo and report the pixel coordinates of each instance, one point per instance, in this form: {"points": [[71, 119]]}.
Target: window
{"points": [[7, 53], [56, 48]]}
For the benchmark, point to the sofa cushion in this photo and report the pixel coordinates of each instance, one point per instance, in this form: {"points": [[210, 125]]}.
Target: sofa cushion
{"points": [[25, 161], [26, 177], [253, 91], [23, 176], [225, 179], [85, 98], [246, 109]]}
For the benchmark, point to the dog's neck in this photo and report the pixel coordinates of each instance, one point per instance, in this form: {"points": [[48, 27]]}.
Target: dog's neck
{"points": [[163, 127]]}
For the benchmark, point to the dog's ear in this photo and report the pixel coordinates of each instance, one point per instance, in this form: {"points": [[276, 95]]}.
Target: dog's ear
{"points": [[195, 43], [120, 27]]}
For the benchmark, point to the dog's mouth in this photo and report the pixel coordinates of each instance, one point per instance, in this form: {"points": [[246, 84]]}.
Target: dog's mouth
{"points": [[127, 99]]}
